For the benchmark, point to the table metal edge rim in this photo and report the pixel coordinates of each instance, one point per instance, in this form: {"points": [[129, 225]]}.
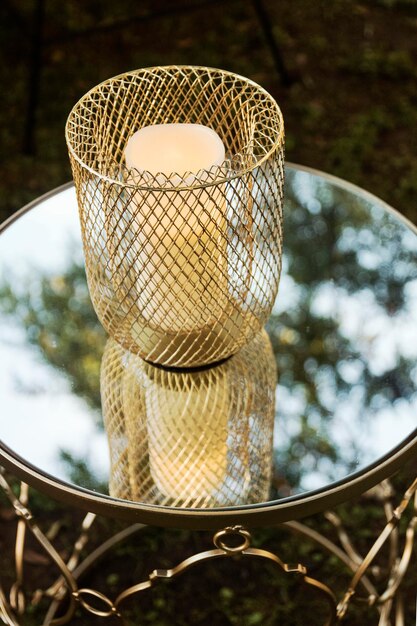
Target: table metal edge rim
{"points": [[299, 505], [32, 204]]}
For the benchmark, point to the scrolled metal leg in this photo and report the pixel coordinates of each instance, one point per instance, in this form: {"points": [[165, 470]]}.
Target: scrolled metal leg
{"points": [[17, 596], [6, 613], [398, 573], [23, 513], [233, 542], [398, 562]]}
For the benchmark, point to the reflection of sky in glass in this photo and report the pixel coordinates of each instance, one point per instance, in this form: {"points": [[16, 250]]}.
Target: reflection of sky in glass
{"points": [[379, 338], [371, 334], [40, 413], [42, 236]]}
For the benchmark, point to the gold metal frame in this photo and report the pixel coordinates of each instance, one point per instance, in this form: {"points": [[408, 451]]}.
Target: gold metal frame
{"points": [[230, 542], [252, 516]]}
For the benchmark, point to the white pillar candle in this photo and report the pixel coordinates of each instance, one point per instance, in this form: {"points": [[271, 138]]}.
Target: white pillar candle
{"points": [[179, 235]]}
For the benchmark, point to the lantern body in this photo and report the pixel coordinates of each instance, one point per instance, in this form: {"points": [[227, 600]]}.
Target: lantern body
{"points": [[183, 268]]}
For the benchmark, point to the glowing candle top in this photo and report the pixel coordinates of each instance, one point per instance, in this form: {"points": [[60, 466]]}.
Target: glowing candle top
{"points": [[174, 148]]}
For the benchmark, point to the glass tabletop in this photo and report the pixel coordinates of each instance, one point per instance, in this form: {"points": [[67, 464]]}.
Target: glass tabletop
{"points": [[343, 331]]}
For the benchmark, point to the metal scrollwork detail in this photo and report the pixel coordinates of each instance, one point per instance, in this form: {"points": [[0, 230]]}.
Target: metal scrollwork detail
{"points": [[220, 537], [230, 542]]}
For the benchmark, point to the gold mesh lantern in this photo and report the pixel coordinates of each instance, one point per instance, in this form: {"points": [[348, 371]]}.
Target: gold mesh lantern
{"points": [[190, 439], [183, 268]]}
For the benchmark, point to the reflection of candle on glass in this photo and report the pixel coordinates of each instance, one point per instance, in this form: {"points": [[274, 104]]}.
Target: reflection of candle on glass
{"points": [[187, 420], [179, 234], [190, 439]]}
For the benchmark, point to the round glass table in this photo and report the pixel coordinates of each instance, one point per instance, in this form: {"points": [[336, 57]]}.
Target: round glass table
{"points": [[343, 330]]}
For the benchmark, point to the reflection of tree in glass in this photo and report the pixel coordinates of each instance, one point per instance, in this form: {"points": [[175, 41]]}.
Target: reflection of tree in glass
{"points": [[346, 262], [57, 317], [56, 314]]}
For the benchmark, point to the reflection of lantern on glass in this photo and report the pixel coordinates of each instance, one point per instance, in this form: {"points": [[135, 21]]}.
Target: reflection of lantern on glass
{"points": [[199, 438]]}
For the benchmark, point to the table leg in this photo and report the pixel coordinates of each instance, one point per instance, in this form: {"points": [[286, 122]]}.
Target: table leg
{"points": [[231, 542]]}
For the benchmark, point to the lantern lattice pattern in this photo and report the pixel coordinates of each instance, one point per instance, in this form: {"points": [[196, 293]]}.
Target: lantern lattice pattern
{"points": [[190, 439], [182, 269]]}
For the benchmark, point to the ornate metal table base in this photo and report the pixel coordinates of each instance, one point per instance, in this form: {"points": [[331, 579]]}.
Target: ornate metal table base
{"points": [[231, 542]]}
